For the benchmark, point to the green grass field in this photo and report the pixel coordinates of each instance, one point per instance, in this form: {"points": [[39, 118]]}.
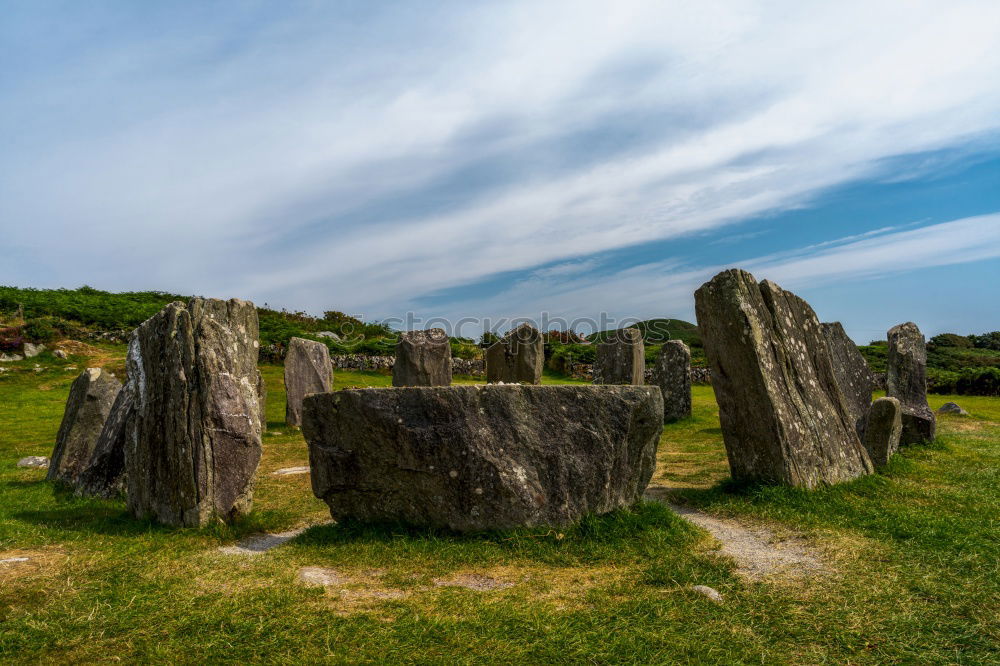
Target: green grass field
{"points": [[914, 555]]}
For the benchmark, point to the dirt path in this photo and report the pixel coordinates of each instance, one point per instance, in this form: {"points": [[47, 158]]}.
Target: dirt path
{"points": [[759, 552]]}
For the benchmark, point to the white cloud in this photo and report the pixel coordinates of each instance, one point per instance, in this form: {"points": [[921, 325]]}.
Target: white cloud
{"points": [[236, 174], [666, 288]]}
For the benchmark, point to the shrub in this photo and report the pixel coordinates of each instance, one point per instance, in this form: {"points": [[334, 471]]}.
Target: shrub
{"points": [[11, 339], [979, 381], [941, 381], [951, 340], [986, 341]]}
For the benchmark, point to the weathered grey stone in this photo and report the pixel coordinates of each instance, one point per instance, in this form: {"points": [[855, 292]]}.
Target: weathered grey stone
{"points": [[59, 353], [32, 350], [5, 358], [883, 426], [423, 358], [482, 457], [855, 379], [40, 462], [262, 401], [307, 370], [906, 380], [193, 443], [104, 473], [672, 373], [784, 418], [517, 358], [951, 408], [622, 359], [91, 397]]}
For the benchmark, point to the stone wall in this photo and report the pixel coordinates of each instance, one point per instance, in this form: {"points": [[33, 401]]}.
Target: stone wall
{"points": [[459, 366], [586, 371]]}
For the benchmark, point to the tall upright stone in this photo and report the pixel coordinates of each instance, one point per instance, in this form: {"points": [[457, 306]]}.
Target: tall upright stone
{"points": [[518, 358], [906, 380], [784, 418], [622, 359], [91, 397], [883, 427], [855, 379], [104, 474], [423, 358], [307, 370], [262, 401], [193, 442], [672, 373]]}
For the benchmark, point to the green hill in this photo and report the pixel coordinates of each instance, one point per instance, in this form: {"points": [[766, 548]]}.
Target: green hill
{"points": [[41, 315]]}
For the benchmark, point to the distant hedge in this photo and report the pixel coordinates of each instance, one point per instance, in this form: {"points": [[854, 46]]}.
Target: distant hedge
{"points": [[970, 381]]}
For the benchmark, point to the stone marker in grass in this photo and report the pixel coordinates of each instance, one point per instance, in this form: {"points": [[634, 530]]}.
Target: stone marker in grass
{"points": [[104, 473], [855, 379], [193, 441], [517, 358], [622, 359], [91, 397], [423, 358], [882, 428], [672, 373], [307, 370], [906, 380], [784, 418], [482, 457]]}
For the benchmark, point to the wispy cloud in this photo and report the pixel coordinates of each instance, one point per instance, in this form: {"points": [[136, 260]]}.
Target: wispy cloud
{"points": [[363, 156], [666, 287]]}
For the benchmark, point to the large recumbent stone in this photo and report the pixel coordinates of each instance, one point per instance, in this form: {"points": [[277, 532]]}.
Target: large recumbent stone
{"points": [[482, 457]]}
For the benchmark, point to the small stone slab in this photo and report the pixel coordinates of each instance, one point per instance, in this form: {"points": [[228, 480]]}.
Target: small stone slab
{"points": [[951, 409], [12, 560], [288, 471], [882, 429], [474, 581], [709, 592], [40, 462], [261, 543], [322, 576]]}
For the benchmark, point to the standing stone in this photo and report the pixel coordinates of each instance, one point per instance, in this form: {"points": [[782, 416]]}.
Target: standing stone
{"points": [[423, 358], [855, 379], [672, 374], [906, 380], [307, 370], [262, 400], [482, 457], [193, 443], [883, 426], [90, 400], [104, 474], [518, 358], [622, 359], [784, 418]]}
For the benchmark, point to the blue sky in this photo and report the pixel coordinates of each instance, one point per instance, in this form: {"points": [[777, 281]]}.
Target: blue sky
{"points": [[505, 159]]}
